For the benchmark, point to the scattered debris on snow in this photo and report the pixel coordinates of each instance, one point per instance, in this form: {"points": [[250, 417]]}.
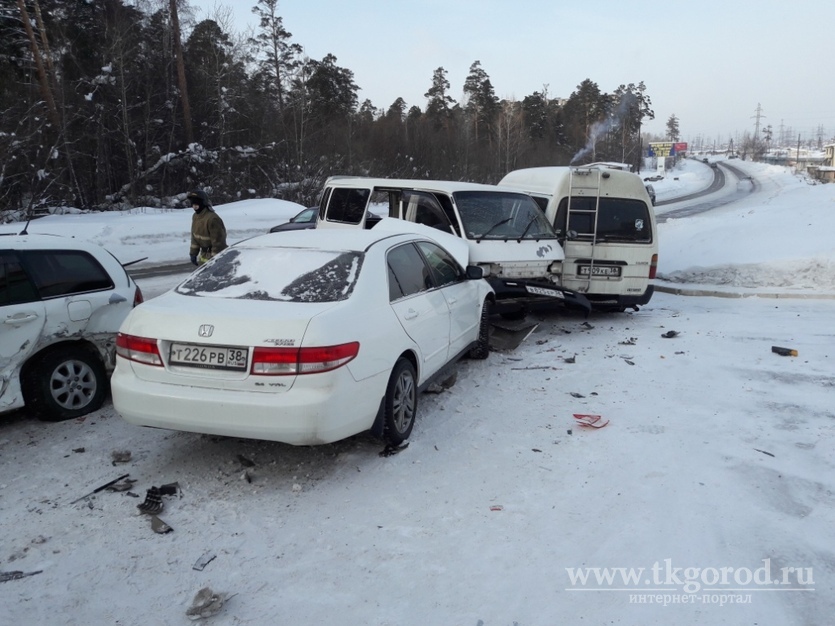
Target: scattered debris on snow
{"points": [[592, 421], [159, 527], [203, 561], [153, 502], [206, 603], [100, 488], [16, 575], [170, 489], [122, 485], [120, 456], [783, 351]]}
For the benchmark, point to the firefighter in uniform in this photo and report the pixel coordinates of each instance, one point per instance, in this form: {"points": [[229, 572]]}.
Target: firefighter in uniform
{"points": [[208, 233]]}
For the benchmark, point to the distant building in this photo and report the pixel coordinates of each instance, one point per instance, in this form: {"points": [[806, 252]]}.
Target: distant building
{"points": [[825, 170], [777, 157]]}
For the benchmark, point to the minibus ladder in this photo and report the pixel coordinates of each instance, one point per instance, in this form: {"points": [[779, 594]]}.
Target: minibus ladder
{"points": [[585, 182]]}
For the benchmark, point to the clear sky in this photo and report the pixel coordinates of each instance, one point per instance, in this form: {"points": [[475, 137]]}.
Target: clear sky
{"points": [[713, 64]]}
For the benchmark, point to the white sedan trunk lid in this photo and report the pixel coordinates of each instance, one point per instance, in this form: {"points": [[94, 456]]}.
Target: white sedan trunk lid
{"points": [[215, 335]]}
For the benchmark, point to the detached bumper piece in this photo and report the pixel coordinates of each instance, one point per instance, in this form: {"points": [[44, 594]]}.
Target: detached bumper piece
{"points": [[523, 295], [153, 502]]}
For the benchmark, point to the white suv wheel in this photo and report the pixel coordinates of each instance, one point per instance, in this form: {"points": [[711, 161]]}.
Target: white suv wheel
{"points": [[68, 382]]}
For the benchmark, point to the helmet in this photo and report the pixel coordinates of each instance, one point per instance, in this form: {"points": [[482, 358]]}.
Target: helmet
{"points": [[199, 197]]}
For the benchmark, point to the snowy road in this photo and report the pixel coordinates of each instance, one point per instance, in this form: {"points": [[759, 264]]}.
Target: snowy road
{"points": [[716, 455]]}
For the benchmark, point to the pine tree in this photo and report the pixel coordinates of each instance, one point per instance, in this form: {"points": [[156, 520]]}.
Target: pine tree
{"points": [[278, 58], [439, 107], [672, 128], [482, 104], [585, 111]]}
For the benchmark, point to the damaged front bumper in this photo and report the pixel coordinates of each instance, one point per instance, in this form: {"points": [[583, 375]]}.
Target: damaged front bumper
{"points": [[521, 296]]}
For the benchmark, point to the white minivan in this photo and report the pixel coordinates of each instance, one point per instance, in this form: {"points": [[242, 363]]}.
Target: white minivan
{"points": [[507, 233], [604, 218]]}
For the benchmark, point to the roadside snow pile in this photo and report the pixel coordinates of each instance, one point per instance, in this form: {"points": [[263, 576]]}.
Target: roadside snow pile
{"points": [[756, 244]]}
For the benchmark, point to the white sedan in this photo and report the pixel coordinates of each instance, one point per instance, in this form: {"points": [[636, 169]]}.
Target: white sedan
{"points": [[304, 337]]}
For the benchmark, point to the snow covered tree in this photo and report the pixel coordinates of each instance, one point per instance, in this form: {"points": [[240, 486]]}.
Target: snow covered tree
{"points": [[93, 112], [672, 128]]}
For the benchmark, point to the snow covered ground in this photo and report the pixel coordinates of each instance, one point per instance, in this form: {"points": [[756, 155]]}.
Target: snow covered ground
{"points": [[767, 241], [713, 477]]}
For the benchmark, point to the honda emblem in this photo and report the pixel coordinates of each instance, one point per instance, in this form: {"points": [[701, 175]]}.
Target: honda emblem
{"points": [[206, 330]]}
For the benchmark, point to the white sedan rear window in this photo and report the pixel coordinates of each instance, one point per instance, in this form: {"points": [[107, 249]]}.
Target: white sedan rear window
{"points": [[285, 274]]}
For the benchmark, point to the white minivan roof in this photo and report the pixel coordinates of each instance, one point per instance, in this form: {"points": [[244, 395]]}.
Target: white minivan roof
{"points": [[445, 186]]}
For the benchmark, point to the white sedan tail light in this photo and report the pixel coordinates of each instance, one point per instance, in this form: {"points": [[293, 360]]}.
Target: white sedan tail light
{"points": [[139, 349], [293, 361]]}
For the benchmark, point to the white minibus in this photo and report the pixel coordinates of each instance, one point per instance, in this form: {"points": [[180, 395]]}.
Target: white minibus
{"points": [[605, 222]]}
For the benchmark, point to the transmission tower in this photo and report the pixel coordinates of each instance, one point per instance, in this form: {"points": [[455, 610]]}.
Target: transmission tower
{"points": [[759, 114]]}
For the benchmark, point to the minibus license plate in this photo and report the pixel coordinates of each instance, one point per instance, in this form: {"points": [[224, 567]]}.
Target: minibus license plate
{"points": [[542, 291], [600, 270], [208, 357]]}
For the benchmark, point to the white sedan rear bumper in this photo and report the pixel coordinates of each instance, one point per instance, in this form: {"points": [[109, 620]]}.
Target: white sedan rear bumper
{"points": [[298, 417]]}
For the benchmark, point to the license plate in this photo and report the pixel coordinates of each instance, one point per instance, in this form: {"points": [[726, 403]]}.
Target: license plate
{"points": [[208, 357], [542, 291], [600, 270]]}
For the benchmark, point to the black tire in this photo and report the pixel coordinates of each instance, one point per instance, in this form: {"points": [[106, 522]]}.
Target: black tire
{"points": [[66, 383], [401, 403], [481, 349]]}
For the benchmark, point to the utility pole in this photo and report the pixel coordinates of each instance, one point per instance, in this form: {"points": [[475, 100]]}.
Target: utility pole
{"points": [[797, 163]]}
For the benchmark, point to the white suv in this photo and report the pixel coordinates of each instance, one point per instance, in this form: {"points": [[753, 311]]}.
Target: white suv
{"points": [[62, 301]]}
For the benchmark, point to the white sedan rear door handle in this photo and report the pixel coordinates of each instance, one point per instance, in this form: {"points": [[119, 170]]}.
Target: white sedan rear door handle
{"points": [[411, 314], [20, 320]]}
